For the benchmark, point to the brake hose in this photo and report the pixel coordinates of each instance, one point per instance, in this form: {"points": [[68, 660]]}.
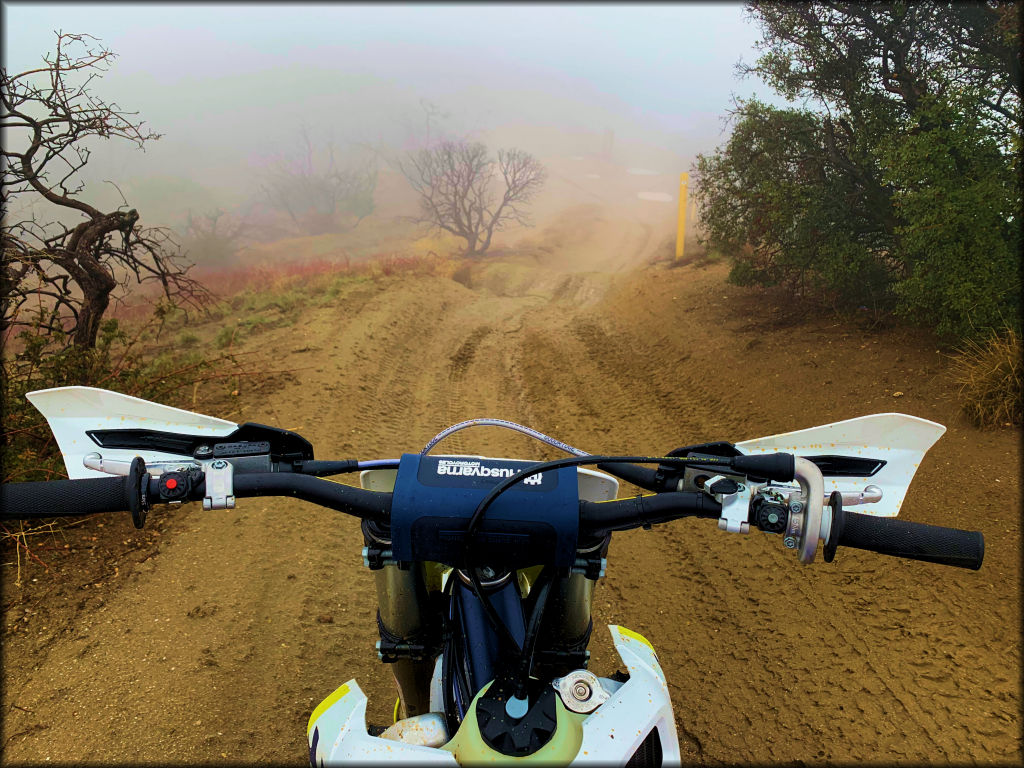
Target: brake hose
{"points": [[644, 478], [506, 425], [532, 630]]}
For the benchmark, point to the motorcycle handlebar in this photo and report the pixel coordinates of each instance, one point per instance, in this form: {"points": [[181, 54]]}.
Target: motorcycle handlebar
{"points": [[61, 498], [600, 517], [66, 498], [367, 505], [900, 538]]}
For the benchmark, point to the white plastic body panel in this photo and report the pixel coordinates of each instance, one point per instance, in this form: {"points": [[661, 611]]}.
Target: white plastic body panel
{"points": [[898, 439], [593, 485], [610, 735], [614, 731], [339, 737], [72, 411]]}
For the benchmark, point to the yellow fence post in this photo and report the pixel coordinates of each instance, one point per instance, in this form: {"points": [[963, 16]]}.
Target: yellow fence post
{"points": [[681, 231]]}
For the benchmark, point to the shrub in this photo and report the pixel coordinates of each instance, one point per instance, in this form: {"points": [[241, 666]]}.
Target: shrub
{"points": [[990, 379], [37, 360], [227, 336], [118, 362]]}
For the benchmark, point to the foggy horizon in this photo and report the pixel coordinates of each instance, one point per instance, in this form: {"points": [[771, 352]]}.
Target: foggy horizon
{"points": [[228, 87]]}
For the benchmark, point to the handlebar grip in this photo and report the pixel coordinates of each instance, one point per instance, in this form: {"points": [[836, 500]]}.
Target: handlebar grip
{"points": [[65, 498], [914, 541]]}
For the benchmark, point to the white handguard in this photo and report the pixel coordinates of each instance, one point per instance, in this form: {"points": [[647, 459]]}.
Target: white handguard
{"points": [[899, 440], [72, 412]]}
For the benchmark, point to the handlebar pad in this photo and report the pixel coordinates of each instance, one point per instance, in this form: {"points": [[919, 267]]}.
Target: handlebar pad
{"points": [[64, 498], [914, 541]]}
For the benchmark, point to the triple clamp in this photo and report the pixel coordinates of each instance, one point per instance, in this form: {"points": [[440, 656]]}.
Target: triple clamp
{"points": [[220, 493]]}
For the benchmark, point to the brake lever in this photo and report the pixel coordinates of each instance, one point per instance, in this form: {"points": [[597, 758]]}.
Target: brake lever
{"points": [[119, 467]]}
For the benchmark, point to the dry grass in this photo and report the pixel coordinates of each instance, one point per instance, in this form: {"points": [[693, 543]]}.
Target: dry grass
{"points": [[990, 379], [18, 540], [267, 277]]}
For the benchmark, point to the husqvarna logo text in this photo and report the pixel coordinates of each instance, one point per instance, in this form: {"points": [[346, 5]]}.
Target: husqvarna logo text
{"points": [[471, 468]]}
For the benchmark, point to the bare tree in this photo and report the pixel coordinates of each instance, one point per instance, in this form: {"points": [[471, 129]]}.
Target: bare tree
{"points": [[463, 191], [66, 274], [431, 131], [315, 191], [213, 237]]}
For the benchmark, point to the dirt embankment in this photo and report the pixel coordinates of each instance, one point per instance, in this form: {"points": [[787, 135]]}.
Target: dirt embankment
{"points": [[215, 644]]}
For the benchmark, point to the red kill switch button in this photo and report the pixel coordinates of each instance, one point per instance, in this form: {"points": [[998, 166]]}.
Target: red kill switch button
{"points": [[171, 483]]}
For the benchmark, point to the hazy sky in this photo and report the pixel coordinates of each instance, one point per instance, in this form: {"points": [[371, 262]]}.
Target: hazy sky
{"points": [[228, 85]]}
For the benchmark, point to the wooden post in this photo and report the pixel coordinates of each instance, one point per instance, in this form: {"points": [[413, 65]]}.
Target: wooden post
{"points": [[681, 231]]}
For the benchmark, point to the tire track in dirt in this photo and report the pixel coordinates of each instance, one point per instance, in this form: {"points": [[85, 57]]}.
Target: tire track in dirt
{"points": [[260, 612]]}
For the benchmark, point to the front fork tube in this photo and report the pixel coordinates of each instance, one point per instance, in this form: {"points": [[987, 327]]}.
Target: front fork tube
{"points": [[565, 628], [567, 615], [402, 597], [405, 613]]}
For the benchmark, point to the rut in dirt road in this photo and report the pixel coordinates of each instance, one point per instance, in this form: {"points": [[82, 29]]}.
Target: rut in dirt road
{"points": [[218, 648]]}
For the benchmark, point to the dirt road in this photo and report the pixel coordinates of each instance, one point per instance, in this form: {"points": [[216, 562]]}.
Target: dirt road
{"points": [[218, 646]]}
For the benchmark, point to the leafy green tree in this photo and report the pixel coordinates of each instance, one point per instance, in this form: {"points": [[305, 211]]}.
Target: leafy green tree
{"points": [[957, 199], [897, 183], [787, 213]]}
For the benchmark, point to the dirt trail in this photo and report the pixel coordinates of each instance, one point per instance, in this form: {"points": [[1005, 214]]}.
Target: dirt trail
{"points": [[217, 647]]}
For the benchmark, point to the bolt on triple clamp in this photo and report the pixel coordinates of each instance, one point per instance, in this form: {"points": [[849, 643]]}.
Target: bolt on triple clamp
{"points": [[581, 691], [220, 493]]}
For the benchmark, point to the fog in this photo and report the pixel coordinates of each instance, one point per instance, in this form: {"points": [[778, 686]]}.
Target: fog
{"points": [[230, 87]]}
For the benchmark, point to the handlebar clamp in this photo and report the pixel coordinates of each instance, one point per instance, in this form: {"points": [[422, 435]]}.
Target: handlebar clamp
{"points": [[735, 500], [220, 492]]}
